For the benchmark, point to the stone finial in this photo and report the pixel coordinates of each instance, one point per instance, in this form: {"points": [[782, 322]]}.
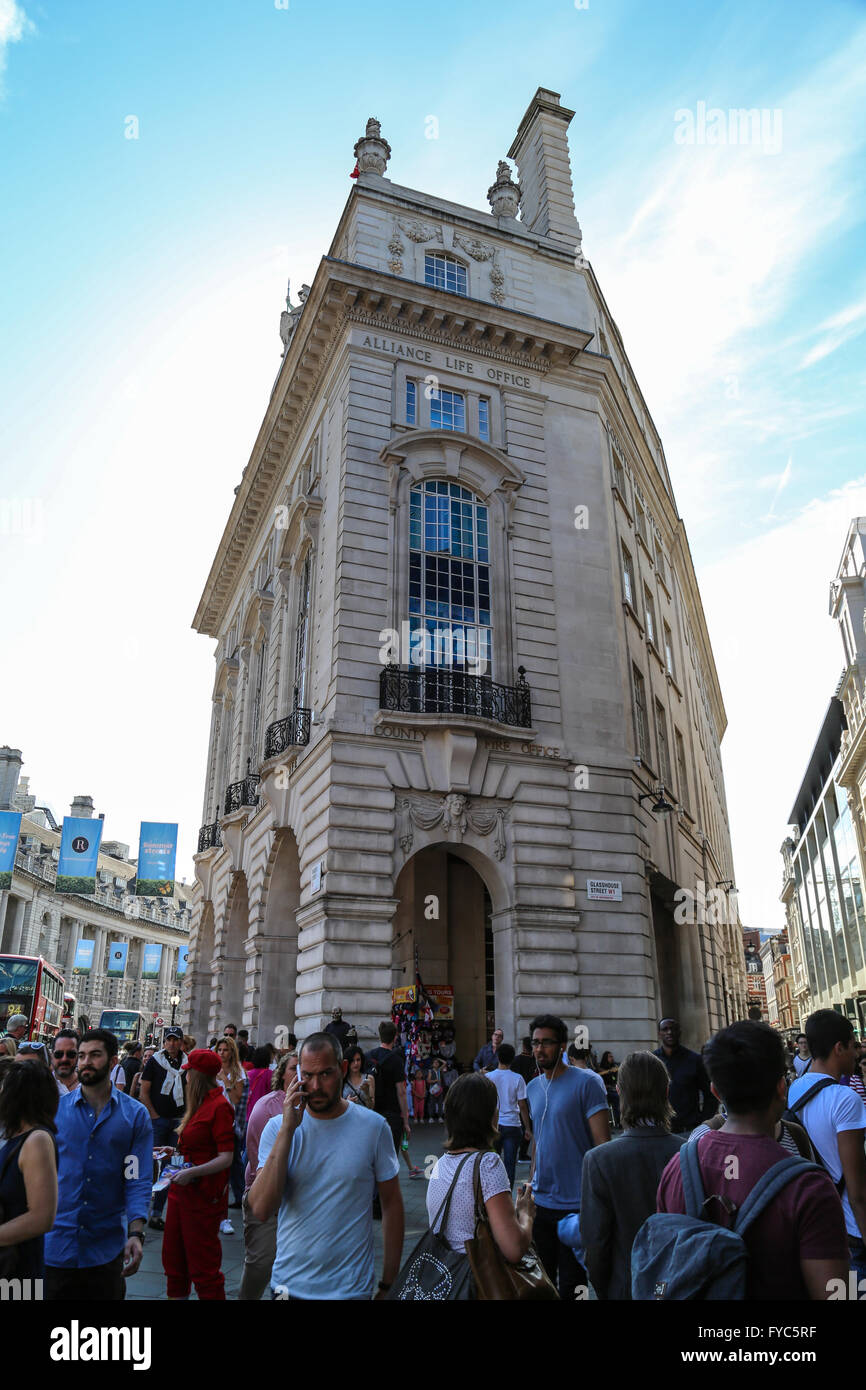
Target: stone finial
{"points": [[504, 194], [371, 151]]}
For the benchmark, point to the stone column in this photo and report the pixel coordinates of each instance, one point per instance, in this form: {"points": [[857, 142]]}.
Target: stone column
{"points": [[4, 911]]}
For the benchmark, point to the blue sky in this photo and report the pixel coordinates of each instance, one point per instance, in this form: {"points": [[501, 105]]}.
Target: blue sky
{"points": [[143, 279]]}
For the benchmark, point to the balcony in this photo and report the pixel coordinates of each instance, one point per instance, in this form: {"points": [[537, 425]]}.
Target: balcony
{"points": [[291, 732], [209, 837], [240, 794], [444, 690]]}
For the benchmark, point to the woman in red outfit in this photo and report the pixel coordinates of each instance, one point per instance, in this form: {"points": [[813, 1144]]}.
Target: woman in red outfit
{"points": [[198, 1195]]}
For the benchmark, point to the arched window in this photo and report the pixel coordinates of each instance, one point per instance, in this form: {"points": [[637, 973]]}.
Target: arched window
{"points": [[258, 686], [302, 630], [445, 273], [449, 577]]}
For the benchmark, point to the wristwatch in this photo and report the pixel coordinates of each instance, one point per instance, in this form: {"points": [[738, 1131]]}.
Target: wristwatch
{"points": [[138, 1234]]}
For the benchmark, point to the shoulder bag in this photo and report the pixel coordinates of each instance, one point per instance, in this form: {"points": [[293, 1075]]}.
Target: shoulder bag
{"points": [[496, 1279], [434, 1273]]}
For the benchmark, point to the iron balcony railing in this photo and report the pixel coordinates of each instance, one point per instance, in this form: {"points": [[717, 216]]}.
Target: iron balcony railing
{"points": [[209, 837], [240, 794], [444, 690], [291, 732]]}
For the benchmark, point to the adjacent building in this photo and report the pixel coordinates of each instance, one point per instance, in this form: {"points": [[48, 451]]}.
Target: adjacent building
{"points": [[35, 920], [756, 989], [465, 713]]}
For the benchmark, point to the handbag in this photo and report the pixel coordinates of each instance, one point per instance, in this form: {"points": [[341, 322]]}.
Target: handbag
{"points": [[495, 1278], [434, 1273]]}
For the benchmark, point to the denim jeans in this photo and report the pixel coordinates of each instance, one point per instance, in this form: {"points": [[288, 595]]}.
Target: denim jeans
{"points": [[511, 1136]]}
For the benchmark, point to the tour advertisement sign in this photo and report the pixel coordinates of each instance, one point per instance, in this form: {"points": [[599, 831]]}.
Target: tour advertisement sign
{"points": [[182, 957], [79, 854], [117, 953], [442, 1000], [157, 852], [10, 828], [83, 963], [151, 961]]}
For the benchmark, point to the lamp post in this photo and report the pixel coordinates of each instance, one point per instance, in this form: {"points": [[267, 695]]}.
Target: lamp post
{"points": [[174, 1001]]}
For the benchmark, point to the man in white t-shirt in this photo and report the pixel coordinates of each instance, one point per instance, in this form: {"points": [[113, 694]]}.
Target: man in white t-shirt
{"points": [[514, 1121], [802, 1061], [835, 1120]]}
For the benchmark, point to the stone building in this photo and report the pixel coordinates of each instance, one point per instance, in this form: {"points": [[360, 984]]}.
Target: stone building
{"points": [[37, 920], [465, 708]]}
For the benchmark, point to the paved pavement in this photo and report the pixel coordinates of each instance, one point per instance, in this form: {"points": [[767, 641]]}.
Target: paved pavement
{"points": [[425, 1146]]}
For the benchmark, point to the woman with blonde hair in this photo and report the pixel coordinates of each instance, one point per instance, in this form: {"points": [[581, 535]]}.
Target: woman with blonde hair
{"points": [[620, 1180], [198, 1192]]}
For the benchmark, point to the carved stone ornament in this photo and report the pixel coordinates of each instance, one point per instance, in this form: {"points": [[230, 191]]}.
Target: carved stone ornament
{"points": [[478, 250], [497, 281], [396, 248], [456, 815], [371, 151], [504, 194], [419, 231]]}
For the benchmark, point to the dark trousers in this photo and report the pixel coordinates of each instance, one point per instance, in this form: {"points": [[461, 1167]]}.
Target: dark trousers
{"points": [[96, 1284], [164, 1134], [395, 1124], [236, 1175], [511, 1136], [559, 1261]]}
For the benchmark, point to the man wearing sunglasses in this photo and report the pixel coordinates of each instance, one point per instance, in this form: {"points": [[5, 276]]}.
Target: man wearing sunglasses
{"points": [[64, 1058]]}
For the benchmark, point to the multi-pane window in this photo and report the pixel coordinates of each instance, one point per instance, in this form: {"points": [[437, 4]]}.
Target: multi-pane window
{"points": [[660, 562], [640, 522], [669, 651], [449, 576], [444, 273], [447, 411], [411, 403], [483, 418], [664, 747], [640, 714], [650, 612], [628, 577], [302, 629], [258, 685], [683, 781]]}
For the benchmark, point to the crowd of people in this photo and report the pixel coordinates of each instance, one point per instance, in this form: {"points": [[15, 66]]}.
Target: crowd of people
{"points": [[101, 1143]]}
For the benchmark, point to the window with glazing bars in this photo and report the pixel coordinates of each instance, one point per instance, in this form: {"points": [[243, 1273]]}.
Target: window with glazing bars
{"points": [[640, 714], [447, 411], [444, 273], [449, 575]]}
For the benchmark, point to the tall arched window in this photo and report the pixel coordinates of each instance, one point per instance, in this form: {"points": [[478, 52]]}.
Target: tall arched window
{"points": [[258, 688], [302, 630], [449, 577]]}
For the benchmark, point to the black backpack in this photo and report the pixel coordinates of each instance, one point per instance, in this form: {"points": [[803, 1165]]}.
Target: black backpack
{"points": [[793, 1114]]}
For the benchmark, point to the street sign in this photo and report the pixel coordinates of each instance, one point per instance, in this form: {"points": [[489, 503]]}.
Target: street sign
{"points": [[159, 1022], [604, 889]]}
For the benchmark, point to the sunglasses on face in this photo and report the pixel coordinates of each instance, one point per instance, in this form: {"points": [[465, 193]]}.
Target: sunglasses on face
{"points": [[73, 1055]]}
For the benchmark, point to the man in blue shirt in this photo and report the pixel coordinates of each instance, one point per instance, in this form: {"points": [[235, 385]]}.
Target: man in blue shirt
{"points": [[569, 1117], [105, 1173]]}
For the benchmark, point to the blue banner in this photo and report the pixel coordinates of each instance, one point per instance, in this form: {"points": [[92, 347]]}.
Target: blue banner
{"points": [[117, 953], [10, 829], [151, 961], [79, 854], [157, 852], [182, 956], [83, 958]]}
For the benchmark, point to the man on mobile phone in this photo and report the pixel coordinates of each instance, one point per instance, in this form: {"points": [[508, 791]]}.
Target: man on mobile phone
{"points": [[319, 1166]]}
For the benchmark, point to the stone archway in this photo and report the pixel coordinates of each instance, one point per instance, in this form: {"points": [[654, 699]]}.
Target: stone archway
{"points": [[446, 905], [231, 955], [272, 967], [200, 976]]}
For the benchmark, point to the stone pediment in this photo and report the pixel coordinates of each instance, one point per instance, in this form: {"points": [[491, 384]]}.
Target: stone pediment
{"points": [[442, 453]]}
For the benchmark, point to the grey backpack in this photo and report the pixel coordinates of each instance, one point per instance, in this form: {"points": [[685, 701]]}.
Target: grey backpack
{"points": [[688, 1257]]}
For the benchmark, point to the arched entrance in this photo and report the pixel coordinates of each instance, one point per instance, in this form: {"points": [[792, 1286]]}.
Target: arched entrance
{"points": [[278, 957], [445, 913], [233, 955], [200, 976]]}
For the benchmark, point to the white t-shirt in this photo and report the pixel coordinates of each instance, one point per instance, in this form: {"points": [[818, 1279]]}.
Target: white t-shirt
{"points": [[801, 1063], [512, 1088], [460, 1225], [835, 1110]]}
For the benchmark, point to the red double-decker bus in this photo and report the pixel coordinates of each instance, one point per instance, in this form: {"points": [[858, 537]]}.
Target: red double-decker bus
{"points": [[29, 985]]}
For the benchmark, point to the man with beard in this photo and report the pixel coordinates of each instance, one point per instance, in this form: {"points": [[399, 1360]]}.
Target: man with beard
{"points": [[319, 1166], [64, 1055], [105, 1159]]}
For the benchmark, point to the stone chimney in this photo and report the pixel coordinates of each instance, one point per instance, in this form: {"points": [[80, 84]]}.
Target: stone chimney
{"points": [[10, 768], [82, 807], [544, 170]]}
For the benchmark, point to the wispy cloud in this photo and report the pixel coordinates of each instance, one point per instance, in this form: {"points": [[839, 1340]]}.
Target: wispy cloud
{"points": [[14, 24], [838, 329], [781, 483]]}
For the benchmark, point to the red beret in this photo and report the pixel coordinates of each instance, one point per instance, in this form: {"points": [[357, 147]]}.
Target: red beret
{"points": [[202, 1059]]}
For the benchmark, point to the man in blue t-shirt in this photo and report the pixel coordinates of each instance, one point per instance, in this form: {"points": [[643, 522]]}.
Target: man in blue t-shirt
{"points": [[569, 1117]]}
